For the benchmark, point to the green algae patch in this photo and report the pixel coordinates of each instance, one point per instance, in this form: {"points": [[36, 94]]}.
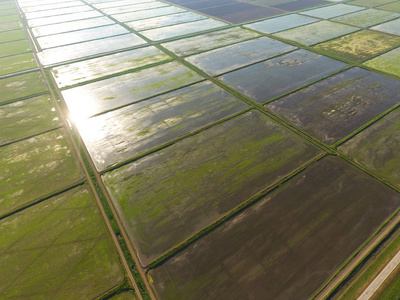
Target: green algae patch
{"points": [[287, 245], [209, 41], [90, 69], [93, 98], [59, 248], [26, 118], [376, 148], [16, 47], [360, 46], [388, 62], [36, 167], [266, 80], [333, 108], [12, 35], [231, 57], [370, 3], [281, 23], [167, 196], [21, 86], [128, 132], [367, 17], [395, 6], [17, 63], [316, 32]]}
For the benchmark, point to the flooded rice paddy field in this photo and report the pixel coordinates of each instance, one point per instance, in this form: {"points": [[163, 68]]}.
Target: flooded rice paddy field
{"points": [[203, 149]]}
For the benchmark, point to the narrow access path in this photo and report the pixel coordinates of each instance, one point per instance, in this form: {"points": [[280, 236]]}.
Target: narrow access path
{"points": [[383, 275]]}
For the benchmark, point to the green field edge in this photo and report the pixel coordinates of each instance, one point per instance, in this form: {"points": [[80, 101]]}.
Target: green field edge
{"points": [[358, 277]]}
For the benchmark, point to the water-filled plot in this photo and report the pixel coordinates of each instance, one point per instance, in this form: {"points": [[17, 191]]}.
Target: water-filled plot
{"points": [[141, 127], [370, 3], [393, 6], [316, 32], [167, 20], [209, 41], [228, 58], [71, 26], [173, 193], [376, 148], [266, 80], [90, 69], [332, 11], [98, 97], [335, 107], [148, 13], [241, 12], [21, 86], [79, 36], [38, 7], [392, 27], [63, 18], [367, 18], [281, 23], [181, 29], [288, 244], [28, 166], [360, 46], [114, 11], [67, 53], [22, 119], [58, 248], [300, 4], [388, 62], [56, 12]]}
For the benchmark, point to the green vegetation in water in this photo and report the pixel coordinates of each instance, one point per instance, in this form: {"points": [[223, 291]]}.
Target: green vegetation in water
{"points": [[366, 18], [21, 86], [201, 178], [361, 45], [13, 35], [17, 63], [16, 47], [369, 3], [388, 62], [58, 248], [395, 6], [29, 117], [36, 167]]}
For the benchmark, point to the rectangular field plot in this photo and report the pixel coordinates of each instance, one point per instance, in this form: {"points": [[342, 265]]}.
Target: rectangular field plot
{"points": [[266, 80], [98, 97], [335, 107], [388, 62], [10, 25], [57, 12], [71, 26], [22, 119], [361, 45], [165, 21], [173, 193], [209, 41], [287, 245], [376, 148], [36, 167], [316, 32], [79, 36], [228, 58], [90, 69], [59, 248], [12, 35], [125, 133], [63, 18], [81, 50], [15, 47], [281, 23], [114, 11], [17, 63], [149, 13], [181, 29], [392, 27], [332, 11], [21, 86], [366, 18]]}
